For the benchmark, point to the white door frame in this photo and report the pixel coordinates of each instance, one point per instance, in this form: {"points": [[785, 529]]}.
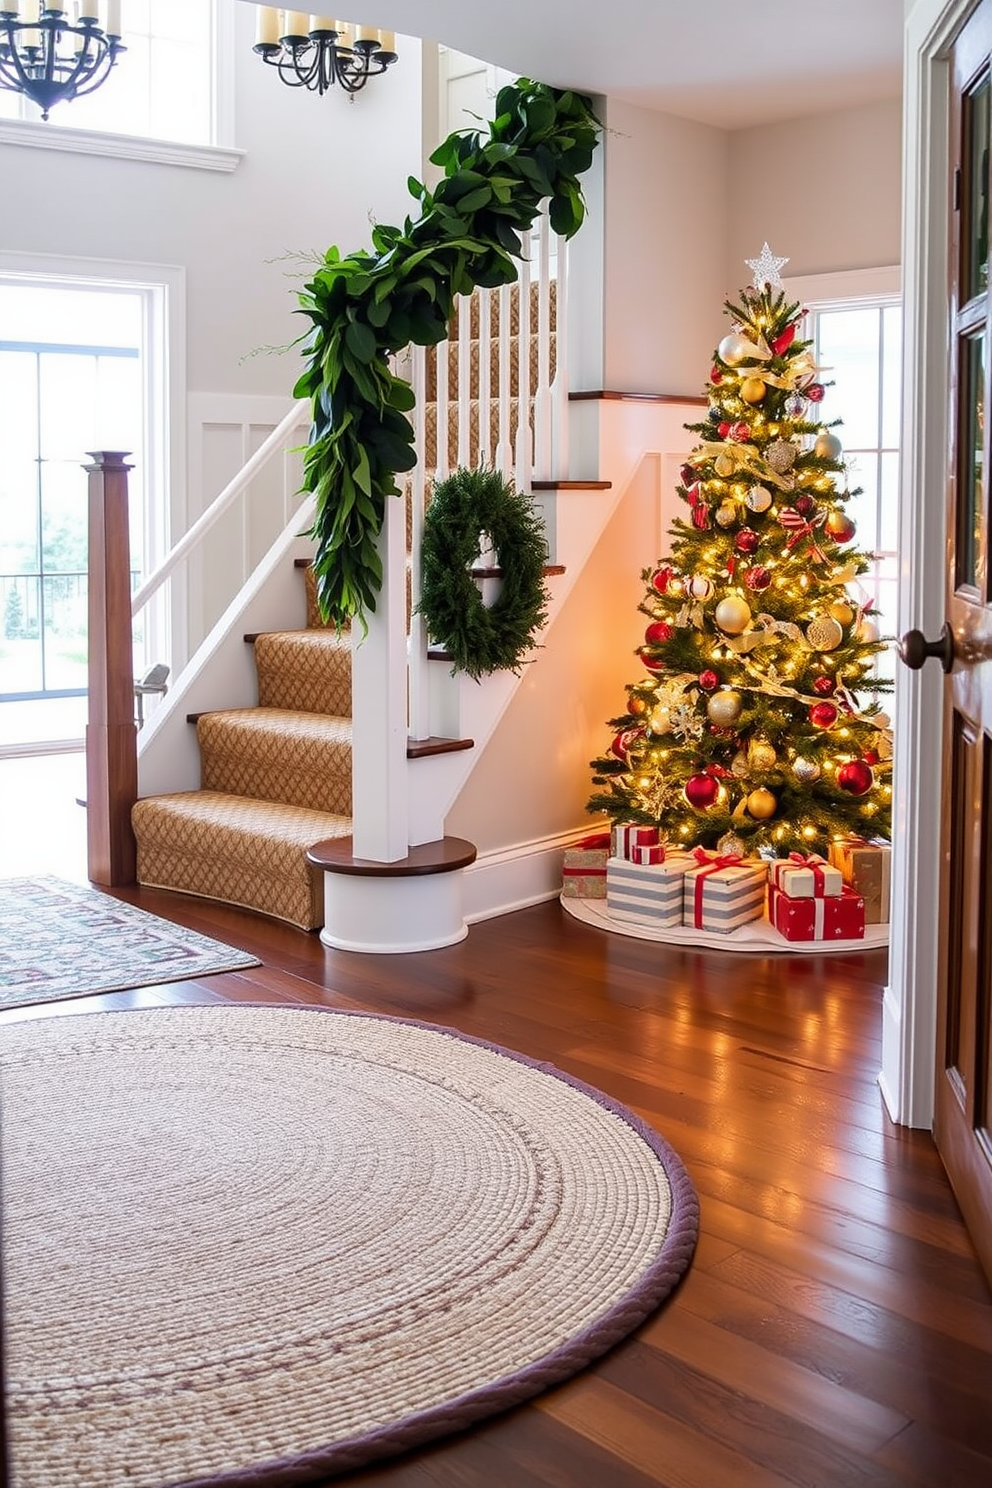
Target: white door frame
{"points": [[909, 1016]]}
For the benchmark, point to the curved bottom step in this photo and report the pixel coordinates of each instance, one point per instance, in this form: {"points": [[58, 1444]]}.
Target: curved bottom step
{"points": [[412, 904]]}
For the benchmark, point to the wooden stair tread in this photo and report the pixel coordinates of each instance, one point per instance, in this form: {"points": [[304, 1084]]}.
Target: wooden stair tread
{"points": [[423, 748], [445, 856], [571, 485], [549, 570]]}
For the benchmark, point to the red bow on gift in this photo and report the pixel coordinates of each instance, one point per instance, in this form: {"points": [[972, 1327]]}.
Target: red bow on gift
{"points": [[797, 524], [708, 864]]}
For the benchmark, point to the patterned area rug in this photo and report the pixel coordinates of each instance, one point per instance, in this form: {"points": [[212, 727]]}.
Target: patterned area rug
{"points": [[262, 1246], [61, 940]]}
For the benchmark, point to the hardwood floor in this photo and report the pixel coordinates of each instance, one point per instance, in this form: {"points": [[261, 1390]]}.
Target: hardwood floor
{"points": [[834, 1329]]}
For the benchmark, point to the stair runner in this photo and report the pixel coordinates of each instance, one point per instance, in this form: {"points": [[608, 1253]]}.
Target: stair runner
{"points": [[274, 780]]}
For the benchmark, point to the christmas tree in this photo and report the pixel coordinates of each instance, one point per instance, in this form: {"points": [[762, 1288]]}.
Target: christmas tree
{"points": [[756, 723]]}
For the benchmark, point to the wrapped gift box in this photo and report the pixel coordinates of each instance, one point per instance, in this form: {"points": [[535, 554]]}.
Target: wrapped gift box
{"points": [[806, 878], [865, 868], [720, 894], [584, 868], [653, 854], [628, 835], [835, 917], [648, 892]]}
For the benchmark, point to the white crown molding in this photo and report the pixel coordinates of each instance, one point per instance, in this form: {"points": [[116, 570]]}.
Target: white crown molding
{"points": [[38, 136]]}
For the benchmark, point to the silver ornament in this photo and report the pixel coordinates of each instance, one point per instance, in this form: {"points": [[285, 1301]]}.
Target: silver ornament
{"points": [[795, 405], [732, 615], [724, 707], [726, 514], [700, 587], [734, 349], [781, 455], [738, 765], [805, 770], [731, 846], [758, 499], [827, 447], [724, 465], [824, 633]]}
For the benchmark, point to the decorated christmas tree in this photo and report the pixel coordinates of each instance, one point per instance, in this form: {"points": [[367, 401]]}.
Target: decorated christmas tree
{"points": [[755, 723]]}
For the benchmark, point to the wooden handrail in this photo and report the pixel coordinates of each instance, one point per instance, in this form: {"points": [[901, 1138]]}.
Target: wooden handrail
{"points": [[111, 735], [217, 508]]}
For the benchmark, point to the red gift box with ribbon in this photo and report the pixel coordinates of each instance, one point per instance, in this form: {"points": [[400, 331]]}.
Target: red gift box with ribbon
{"points": [[723, 891], [834, 917], [628, 835], [584, 868], [803, 877]]}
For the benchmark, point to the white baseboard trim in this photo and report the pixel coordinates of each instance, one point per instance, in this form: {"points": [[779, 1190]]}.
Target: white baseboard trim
{"points": [[889, 1082], [515, 877]]}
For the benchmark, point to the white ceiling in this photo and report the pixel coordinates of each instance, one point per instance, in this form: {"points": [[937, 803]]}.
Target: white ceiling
{"points": [[731, 63]]}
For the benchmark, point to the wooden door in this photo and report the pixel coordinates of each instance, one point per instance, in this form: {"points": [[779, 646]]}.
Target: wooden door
{"points": [[963, 1104]]}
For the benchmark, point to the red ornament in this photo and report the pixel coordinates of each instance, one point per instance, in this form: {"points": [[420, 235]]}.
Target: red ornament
{"points": [[757, 578], [805, 505], [823, 685], [708, 681], [701, 791], [701, 516], [823, 715], [740, 432], [870, 757], [694, 493], [716, 375], [658, 632], [840, 527], [855, 777], [723, 428], [687, 474], [653, 663], [746, 540], [623, 742], [815, 392], [661, 578], [784, 339]]}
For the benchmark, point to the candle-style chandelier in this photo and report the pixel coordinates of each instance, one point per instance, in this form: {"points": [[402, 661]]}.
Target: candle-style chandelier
{"points": [[314, 51], [59, 51]]}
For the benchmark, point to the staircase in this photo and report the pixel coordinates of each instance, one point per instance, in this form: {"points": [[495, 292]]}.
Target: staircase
{"points": [[274, 809], [275, 779]]}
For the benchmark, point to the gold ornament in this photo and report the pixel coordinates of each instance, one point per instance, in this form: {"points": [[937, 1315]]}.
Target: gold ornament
{"points": [[738, 765], [660, 721], [731, 846], [758, 499], [724, 707], [882, 721], [867, 630], [675, 586], [842, 612], [823, 633], [761, 804], [726, 514], [732, 615], [760, 754], [827, 447], [837, 521], [781, 456], [724, 465], [805, 770], [845, 573], [752, 390]]}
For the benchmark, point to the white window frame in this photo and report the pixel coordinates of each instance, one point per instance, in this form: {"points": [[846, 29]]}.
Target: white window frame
{"points": [[163, 288], [219, 156]]}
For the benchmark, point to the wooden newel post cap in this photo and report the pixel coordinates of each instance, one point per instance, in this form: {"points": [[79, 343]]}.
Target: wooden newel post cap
{"points": [[108, 460]]}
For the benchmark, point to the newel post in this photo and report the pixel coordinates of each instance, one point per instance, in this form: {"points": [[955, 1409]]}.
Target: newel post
{"points": [[111, 736]]}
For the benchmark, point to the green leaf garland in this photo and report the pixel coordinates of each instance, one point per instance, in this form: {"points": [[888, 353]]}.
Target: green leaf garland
{"points": [[367, 306]]}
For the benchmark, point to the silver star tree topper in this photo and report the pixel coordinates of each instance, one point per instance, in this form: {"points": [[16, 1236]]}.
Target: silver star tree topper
{"points": [[766, 268]]}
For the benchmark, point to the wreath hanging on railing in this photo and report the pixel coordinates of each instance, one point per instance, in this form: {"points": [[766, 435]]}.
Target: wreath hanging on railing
{"points": [[465, 508]]}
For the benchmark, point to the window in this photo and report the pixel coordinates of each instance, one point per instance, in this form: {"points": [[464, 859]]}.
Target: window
{"points": [[855, 323], [173, 84]]}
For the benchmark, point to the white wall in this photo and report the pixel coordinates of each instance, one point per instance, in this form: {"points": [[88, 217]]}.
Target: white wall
{"points": [[314, 172], [825, 191], [666, 222]]}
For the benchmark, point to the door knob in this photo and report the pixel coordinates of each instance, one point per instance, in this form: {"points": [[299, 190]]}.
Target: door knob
{"points": [[914, 648]]}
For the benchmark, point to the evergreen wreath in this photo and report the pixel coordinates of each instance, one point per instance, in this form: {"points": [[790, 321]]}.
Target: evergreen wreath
{"points": [[480, 638]]}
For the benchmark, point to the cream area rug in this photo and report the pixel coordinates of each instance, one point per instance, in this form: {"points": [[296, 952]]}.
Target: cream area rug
{"points": [[60, 940], [262, 1246]]}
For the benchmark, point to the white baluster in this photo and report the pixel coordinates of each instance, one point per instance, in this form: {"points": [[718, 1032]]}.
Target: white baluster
{"points": [[504, 454], [542, 393], [560, 385], [485, 377], [441, 353], [524, 452], [464, 379], [419, 695]]}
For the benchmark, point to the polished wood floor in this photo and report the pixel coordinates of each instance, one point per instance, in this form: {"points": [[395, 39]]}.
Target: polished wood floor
{"points": [[834, 1329]]}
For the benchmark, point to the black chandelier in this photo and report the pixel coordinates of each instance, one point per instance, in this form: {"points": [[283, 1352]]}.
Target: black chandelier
{"points": [[52, 53], [313, 51]]}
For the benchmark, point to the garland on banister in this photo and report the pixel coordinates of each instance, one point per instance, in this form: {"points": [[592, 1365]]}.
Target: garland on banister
{"points": [[368, 306]]}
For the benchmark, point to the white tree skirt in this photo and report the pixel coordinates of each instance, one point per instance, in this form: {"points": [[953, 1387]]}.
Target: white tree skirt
{"points": [[759, 935]]}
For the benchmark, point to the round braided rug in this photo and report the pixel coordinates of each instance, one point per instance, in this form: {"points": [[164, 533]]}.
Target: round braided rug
{"points": [[265, 1245]]}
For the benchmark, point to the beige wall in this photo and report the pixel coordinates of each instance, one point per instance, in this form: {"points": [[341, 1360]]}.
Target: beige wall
{"points": [[666, 222], [824, 191]]}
